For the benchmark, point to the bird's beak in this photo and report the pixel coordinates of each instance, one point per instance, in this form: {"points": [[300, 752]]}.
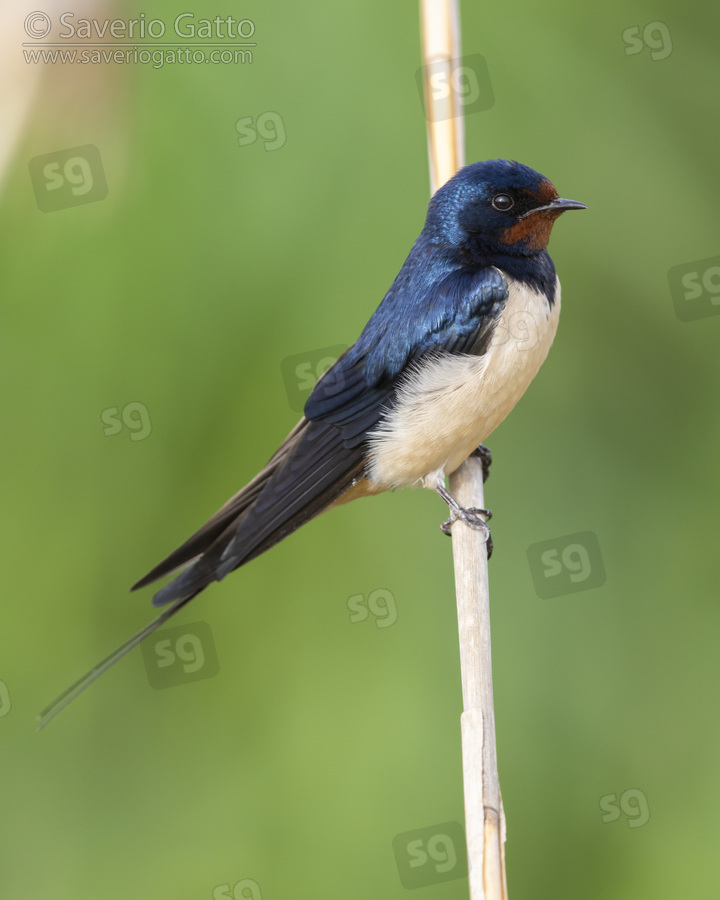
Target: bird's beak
{"points": [[558, 206]]}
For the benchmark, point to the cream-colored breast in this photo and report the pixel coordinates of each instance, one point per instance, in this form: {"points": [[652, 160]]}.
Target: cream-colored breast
{"points": [[451, 404]]}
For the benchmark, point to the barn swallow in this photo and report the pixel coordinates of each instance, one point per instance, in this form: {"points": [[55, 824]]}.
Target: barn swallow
{"points": [[434, 372]]}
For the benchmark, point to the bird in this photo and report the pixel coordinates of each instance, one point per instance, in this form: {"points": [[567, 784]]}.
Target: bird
{"points": [[454, 344]]}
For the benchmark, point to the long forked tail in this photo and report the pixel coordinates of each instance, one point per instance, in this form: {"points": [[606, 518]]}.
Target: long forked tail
{"points": [[305, 476], [49, 713]]}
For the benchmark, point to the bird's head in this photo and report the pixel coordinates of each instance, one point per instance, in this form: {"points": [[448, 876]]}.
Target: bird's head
{"points": [[497, 205]]}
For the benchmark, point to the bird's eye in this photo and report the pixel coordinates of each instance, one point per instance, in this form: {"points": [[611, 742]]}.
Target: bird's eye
{"points": [[503, 202]]}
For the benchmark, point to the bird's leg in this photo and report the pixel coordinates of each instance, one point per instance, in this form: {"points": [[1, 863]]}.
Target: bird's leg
{"points": [[485, 457], [472, 517]]}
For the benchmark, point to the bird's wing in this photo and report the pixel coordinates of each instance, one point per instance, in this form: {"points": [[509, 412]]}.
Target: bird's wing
{"points": [[455, 314], [199, 542], [326, 453]]}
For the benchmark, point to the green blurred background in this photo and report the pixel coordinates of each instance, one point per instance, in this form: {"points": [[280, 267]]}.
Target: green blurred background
{"points": [[207, 265]]}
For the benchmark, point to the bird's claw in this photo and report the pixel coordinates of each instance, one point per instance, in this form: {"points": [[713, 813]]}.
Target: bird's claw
{"points": [[473, 518], [485, 456]]}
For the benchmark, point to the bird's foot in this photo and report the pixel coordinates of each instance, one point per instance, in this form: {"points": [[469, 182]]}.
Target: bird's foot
{"points": [[472, 517], [485, 456]]}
